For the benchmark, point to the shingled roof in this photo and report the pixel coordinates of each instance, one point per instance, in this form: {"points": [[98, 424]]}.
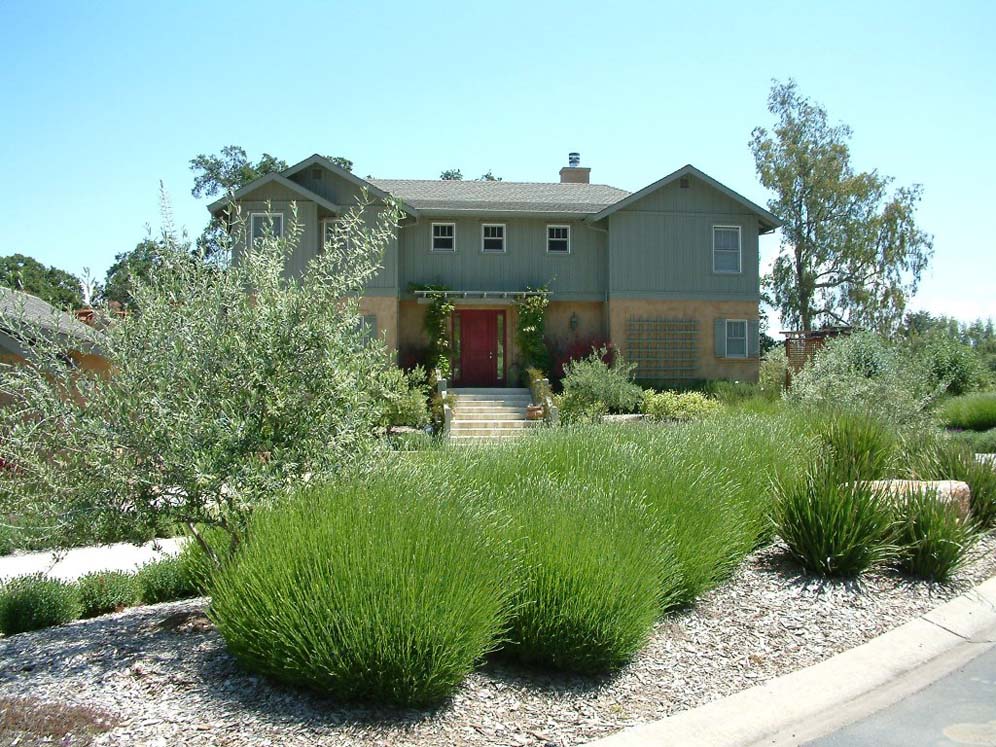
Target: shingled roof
{"points": [[502, 196], [17, 306]]}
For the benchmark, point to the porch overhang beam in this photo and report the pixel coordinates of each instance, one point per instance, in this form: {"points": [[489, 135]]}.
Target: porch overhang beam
{"points": [[477, 297]]}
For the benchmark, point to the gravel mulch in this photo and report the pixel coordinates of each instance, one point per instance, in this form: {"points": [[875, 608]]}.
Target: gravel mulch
{"points": [[163, 673]]}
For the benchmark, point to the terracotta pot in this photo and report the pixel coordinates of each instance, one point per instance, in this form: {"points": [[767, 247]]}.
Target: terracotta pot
{"points": [[534, 412]]}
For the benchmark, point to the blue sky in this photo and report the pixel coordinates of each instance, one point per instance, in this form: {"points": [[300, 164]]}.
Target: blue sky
{"points": [[101, 101]]}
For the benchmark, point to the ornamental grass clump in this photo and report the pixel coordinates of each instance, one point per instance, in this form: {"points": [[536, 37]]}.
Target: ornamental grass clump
{"points": [[598, 571], [381, 590], [973, 412], [36, 601], [952, 460], [932, 538], [861, 447], [107, 591], [835, 528]]}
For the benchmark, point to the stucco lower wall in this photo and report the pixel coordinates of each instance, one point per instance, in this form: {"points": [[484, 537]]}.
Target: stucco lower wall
{"points": [[385, 308], [706, 312]]}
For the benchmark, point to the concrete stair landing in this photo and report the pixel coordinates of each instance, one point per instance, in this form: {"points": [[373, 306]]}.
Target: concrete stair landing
{"points": [[489, 414]]}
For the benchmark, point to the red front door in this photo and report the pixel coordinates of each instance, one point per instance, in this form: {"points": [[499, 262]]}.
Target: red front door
{"points": [[482, 344]]}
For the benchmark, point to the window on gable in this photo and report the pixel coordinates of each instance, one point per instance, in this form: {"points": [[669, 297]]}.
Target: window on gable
{"points": [[558, 239], [736, 338], [726, 249], [444, 237], [333, 232], [263, 224], [493, 238]]}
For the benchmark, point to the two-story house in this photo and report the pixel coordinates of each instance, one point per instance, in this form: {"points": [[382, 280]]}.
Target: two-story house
{"points": [[668, 274]]}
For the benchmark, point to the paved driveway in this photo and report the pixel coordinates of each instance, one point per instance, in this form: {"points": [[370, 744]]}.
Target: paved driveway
{"points": [[956, 710], [71, 564]]}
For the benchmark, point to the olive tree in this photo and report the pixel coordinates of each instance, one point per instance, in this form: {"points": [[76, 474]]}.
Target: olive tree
{"points": [[231, 383]]}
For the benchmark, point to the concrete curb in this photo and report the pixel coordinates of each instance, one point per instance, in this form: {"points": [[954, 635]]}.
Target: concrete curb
{"points": [[795, 705]]}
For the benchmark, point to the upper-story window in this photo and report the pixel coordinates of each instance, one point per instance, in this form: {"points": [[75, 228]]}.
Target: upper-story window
{"points": [[444, 237], [726, 249], [333, 230], [261, 224], [558, 239], [493, 238]]}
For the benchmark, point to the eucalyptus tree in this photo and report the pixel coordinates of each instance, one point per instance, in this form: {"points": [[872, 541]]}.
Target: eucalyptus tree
{"points": [[852, 252]]}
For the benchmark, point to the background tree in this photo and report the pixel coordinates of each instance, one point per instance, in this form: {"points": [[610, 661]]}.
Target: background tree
{"points": [[451, 175], [229, 171], [341, 162], [129, 269], [851, 252], [58, 287], [489, 177]]}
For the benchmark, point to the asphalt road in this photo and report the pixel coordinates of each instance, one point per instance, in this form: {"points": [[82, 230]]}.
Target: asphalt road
{"points": [[958, 709]]}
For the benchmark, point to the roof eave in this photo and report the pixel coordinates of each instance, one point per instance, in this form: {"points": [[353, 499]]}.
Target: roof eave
{"points": [[442, 212], [766, 218], [225, 202], [349, 176]]}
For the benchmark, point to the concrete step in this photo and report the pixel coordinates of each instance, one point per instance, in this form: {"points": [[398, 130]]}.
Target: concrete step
{"points": [[464, 440], [496, 391], [487, 432], [475, 425], [478, 401], [486, 415]]}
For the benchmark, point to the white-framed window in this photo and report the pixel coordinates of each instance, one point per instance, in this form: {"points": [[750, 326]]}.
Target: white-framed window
{"points": [[558, 239], [493, 238], [736, 338], [368, 328], [443, 237], [333, 229], [260, 224], [726, 249]]}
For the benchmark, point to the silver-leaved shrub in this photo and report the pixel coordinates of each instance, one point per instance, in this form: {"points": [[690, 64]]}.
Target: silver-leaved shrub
{"points": [[230, 384]]}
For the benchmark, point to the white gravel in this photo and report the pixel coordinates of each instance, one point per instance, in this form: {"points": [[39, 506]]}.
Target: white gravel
{"points": [[71, 564], [167, 675]]}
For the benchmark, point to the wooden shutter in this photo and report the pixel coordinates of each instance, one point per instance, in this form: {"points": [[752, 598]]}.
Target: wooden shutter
{"points": [[753, 338], [719, 337]]}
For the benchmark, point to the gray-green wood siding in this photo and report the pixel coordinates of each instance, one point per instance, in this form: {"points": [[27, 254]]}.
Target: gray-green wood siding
{"points": [[658, 247], [525, 263], [661, 246], [310, 214]]}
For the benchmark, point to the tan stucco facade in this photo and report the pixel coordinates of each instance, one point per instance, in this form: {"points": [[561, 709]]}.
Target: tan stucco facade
{"points": [[385, 308], [593, 320], [705, 312]]}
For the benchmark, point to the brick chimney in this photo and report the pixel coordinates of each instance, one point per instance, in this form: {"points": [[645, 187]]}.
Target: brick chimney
{"points": [[573, 173]]}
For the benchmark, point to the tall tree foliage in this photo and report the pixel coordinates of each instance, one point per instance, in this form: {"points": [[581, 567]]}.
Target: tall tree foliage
{"points": [[58, 287], [451, 175], [851, 252]]}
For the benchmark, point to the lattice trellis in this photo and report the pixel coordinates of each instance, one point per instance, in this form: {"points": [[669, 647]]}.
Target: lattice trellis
{"points": [[663, 349]]}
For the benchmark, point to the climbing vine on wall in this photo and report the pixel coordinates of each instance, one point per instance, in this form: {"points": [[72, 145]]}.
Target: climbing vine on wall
{"points": [[531, 330], [437, 327]]}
